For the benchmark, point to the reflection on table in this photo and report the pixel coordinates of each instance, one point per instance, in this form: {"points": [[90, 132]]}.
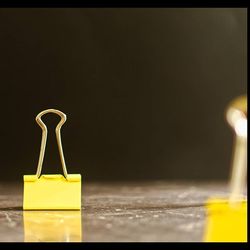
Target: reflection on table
{"points": [[55, 226]]}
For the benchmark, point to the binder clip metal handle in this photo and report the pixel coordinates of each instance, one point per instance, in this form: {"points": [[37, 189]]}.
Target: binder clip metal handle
{"points": [[44, 139], [237, 118]]}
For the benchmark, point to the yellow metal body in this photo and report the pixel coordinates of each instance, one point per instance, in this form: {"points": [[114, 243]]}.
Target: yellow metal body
{"points": [[52, 226], [52, 192], [226, 222]]}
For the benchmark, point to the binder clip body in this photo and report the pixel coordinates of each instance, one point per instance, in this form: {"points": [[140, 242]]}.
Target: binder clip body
{"points": [[52, 191], [227, 218], [226, 222]]}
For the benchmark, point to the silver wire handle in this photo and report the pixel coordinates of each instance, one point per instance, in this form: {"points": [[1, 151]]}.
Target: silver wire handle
{"points": [[237, 118], [44, 139]]}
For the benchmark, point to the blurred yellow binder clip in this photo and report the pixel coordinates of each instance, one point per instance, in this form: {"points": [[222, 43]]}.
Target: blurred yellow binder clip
{"points": [[52, 191], [227, 218]]}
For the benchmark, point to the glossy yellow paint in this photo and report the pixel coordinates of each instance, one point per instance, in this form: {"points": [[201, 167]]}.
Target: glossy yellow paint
{"points": [[52, 192], [226, 222]]}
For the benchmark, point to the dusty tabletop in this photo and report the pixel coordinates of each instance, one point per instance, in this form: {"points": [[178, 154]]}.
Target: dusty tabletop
{"points": [[113, 212]]}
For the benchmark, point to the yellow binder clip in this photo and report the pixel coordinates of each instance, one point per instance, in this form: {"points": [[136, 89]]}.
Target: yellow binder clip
{"points": [[52, 191], [227, 218]]}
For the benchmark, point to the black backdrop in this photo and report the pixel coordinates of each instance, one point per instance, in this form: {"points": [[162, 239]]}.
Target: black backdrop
{"points": [[144, 90]]}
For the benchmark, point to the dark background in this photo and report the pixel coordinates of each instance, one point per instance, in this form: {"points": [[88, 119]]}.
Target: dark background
{"points": [[144, 90]]}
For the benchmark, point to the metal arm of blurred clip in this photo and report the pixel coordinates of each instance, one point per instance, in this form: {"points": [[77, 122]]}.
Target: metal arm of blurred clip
{"points": [[237, 118]]}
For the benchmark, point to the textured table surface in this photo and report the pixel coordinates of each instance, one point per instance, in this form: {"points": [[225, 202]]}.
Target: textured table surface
{"points": [[152, 211]]}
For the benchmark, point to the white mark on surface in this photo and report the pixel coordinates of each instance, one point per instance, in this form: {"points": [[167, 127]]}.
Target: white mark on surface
{"points": [[187, 227], [182, 214], [138, 216], [183, 195], [10, 222], [108, 226]]}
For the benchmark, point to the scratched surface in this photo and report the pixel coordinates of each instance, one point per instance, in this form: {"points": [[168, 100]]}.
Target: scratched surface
{"points": [[157, 211]]}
